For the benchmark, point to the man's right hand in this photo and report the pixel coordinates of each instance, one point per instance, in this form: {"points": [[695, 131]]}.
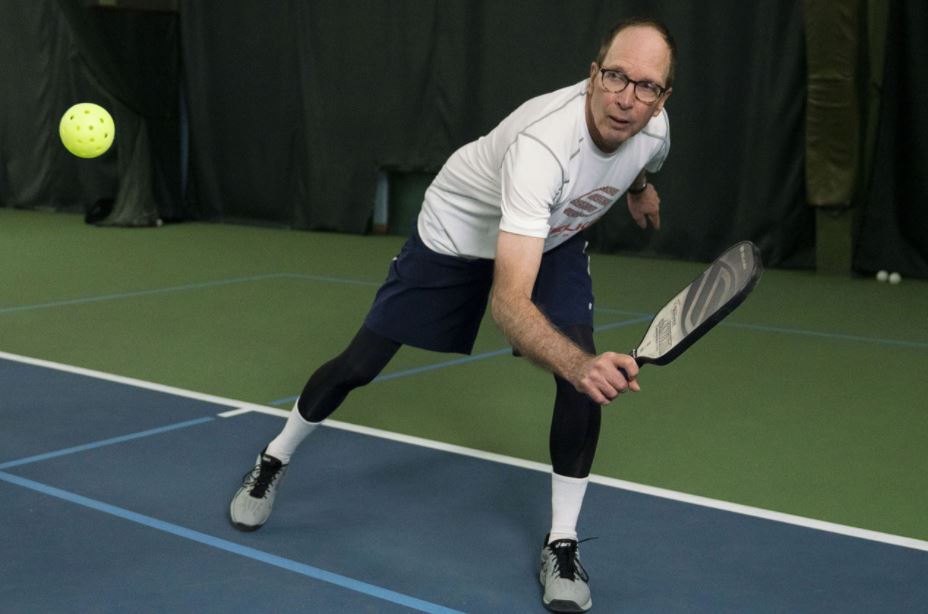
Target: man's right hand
{"points": [[604, 377]]}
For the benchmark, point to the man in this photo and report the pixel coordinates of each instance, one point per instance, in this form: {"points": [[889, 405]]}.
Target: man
{"points": [[502, 220]]}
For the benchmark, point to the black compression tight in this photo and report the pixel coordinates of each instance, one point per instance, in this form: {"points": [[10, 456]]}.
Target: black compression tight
{"points": [[574, 427], [576, 420], [363, 359]]}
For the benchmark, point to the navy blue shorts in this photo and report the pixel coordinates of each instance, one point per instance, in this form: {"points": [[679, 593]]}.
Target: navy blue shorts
{"points": [[436, 302]]}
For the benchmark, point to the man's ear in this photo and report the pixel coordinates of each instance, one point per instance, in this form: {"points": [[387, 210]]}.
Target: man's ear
{"points": [[660, 104]]}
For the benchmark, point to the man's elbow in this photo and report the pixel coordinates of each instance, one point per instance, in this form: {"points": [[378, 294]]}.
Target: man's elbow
{"points": [[505, 309], [497, 308]]}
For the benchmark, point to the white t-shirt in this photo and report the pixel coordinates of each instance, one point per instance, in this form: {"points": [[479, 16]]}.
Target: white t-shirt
{"points": [[538, 173]]}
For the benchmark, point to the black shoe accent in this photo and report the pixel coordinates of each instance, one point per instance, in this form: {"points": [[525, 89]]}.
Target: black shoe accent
{"points": [[268, 470], [567, 561]]}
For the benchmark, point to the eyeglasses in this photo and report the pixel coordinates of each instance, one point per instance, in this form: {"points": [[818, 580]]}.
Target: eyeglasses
{"points": [[615, 81]]}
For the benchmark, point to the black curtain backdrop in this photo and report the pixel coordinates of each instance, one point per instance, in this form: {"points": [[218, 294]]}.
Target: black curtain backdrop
{"points": [[295, 105], [133, 56], [736, 168], [893, 230], [54, 53], [294, 110], [42, 76]]}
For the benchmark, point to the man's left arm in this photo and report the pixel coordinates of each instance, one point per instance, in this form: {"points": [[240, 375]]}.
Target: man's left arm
{"points": [[643, 202]]}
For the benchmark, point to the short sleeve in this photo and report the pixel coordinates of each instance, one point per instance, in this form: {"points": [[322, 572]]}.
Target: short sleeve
{"points": [[531, 181]]}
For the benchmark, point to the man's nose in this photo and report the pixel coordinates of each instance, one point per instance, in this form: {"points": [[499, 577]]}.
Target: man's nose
{"points": [[626, 98]]}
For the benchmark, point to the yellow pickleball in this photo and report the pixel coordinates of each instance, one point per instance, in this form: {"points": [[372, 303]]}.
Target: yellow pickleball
{"points": [[87, 130]]}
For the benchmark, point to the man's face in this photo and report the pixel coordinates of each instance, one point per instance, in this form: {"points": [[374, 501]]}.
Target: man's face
{"points": [[641, 54]]}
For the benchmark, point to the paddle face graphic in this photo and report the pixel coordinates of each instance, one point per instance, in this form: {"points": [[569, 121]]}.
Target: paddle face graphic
{"points": [[701, 305]]}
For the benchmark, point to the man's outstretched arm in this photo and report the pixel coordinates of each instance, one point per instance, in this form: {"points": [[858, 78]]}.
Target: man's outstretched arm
{"points": [[518, 258]]}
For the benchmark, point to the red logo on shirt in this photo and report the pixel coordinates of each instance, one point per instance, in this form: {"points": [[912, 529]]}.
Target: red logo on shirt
{"points": [[592, 203]]}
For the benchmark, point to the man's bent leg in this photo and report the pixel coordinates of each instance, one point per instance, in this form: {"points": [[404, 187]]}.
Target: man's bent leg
{"points": [[365, 357]]}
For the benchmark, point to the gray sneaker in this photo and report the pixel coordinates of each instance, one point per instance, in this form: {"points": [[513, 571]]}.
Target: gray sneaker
{"points": [[251, 506], [564, 578]]}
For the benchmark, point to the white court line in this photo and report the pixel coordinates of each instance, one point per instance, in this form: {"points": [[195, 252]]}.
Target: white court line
{"points": [[235, 412], [131, 381], [241, 407]]}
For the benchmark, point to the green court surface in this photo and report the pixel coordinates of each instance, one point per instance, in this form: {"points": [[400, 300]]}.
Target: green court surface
{"points": [[810, 399]]}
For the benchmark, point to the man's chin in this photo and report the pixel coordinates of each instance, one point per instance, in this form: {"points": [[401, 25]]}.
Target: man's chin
{"points": [[615, 138]]}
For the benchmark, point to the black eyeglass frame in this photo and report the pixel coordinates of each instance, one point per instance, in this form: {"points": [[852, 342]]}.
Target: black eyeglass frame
{"points": [[628, 80]]}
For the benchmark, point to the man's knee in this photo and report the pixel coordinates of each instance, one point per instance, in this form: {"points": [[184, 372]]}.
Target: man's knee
{"points": [[357, 374]]}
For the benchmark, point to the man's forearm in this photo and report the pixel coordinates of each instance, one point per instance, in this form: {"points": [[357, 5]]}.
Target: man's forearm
{"points": [[534, 337]]}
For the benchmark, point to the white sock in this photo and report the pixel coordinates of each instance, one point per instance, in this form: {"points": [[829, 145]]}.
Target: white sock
{"points": [[566, 500], [295, 431]]}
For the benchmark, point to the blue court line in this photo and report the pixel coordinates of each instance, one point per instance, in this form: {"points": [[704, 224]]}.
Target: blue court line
{"points": [[125, 295], [624, 312], [231, 547], [334, 280], [836, 336], [500, 352], [416, 370], [195, 286], [104, 442], [792, 331], [464, 360], [639, 317], [645, 317], [642, 317], [350, 281], [442, 365]]}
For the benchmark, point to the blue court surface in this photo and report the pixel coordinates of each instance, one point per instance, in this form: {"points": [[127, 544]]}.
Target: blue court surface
{"points": [[115, 495]]}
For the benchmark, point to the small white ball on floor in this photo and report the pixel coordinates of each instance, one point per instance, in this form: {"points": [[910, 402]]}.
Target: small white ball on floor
{"points": [[895, 278], [882, 276]]}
